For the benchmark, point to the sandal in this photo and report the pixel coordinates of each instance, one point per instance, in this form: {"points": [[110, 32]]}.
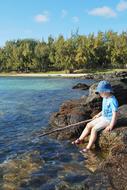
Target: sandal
{"points": [[77, 141], [84, 150]]}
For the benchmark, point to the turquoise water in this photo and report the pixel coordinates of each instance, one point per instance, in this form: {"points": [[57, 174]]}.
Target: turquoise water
{"points": [[25, 107]]}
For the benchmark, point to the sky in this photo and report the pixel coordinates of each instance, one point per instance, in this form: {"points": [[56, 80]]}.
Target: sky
{"points": [[38, 19]]}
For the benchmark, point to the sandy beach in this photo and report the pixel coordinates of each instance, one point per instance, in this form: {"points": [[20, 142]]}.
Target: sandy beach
{"points": [[43, 75]]}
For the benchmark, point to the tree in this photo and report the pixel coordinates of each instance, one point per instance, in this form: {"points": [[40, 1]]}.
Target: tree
{"points": [[42, 56], [104, 50]]}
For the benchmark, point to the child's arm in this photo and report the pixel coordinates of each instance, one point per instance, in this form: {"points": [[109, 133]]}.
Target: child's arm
{"points": [[112, 123]]}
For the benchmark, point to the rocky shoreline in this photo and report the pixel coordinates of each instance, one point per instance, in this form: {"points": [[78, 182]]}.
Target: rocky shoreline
{"points": [[112, 172]]}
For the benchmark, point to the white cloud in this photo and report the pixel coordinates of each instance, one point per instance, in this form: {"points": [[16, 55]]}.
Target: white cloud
{"points": [[42, 18], [64, 13], [75, 19], [122, 5], [103, 11]]}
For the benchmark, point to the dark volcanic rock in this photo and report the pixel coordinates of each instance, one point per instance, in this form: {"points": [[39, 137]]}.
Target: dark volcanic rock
{"points": [[81, 86], [107, 76], [115, 166]]}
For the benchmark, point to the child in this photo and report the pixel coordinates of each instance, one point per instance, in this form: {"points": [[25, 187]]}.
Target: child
{"points": [[106, 119]]}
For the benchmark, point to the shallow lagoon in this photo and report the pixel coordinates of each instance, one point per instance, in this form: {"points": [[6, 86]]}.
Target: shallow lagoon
{"points": [[27, 162]]}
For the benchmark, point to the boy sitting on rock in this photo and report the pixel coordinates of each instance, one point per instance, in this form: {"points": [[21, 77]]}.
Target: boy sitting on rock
{"points": [[106, 119]]}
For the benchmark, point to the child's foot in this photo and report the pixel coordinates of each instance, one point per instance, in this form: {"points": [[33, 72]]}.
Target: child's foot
{"points": [[77, 141], [84, 150]]}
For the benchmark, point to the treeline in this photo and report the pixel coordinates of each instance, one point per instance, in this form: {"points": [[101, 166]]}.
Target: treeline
{"points": [[105, 50]]}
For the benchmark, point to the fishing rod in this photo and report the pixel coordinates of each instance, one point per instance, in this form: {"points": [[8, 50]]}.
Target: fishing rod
{"points": [[64, 128]]}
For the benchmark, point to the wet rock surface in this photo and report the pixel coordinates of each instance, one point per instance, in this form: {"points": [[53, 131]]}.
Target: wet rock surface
{"points": [[15, 172]]}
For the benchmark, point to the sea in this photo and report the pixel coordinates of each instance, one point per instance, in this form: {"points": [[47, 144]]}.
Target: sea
{"points": [[26, 160]]}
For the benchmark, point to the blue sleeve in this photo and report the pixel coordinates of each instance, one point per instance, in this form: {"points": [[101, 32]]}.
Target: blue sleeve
{"points": [[114, 105]]}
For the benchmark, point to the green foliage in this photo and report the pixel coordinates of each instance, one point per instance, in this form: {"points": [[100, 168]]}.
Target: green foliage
{"points": [[103, 51]]}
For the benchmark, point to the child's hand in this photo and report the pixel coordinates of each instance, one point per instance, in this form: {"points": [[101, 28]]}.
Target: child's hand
{"points": [[96, 116], [108, 128]]}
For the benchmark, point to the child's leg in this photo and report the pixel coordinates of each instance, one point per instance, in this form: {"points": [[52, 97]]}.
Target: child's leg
{"points": [[88, 128], [93, 137], [86, 131]]}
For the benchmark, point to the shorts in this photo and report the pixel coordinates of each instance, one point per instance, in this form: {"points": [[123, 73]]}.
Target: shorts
{"points": [[99, 123]]}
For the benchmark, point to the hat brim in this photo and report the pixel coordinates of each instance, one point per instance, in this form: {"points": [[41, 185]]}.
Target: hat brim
{"points": [[111, 91]]}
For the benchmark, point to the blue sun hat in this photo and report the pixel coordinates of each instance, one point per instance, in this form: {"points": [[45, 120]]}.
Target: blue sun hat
{"points": [[104, 86]]}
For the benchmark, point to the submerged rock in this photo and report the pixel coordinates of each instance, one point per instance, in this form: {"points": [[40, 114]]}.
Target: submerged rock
{"points": [[15, 172]]}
